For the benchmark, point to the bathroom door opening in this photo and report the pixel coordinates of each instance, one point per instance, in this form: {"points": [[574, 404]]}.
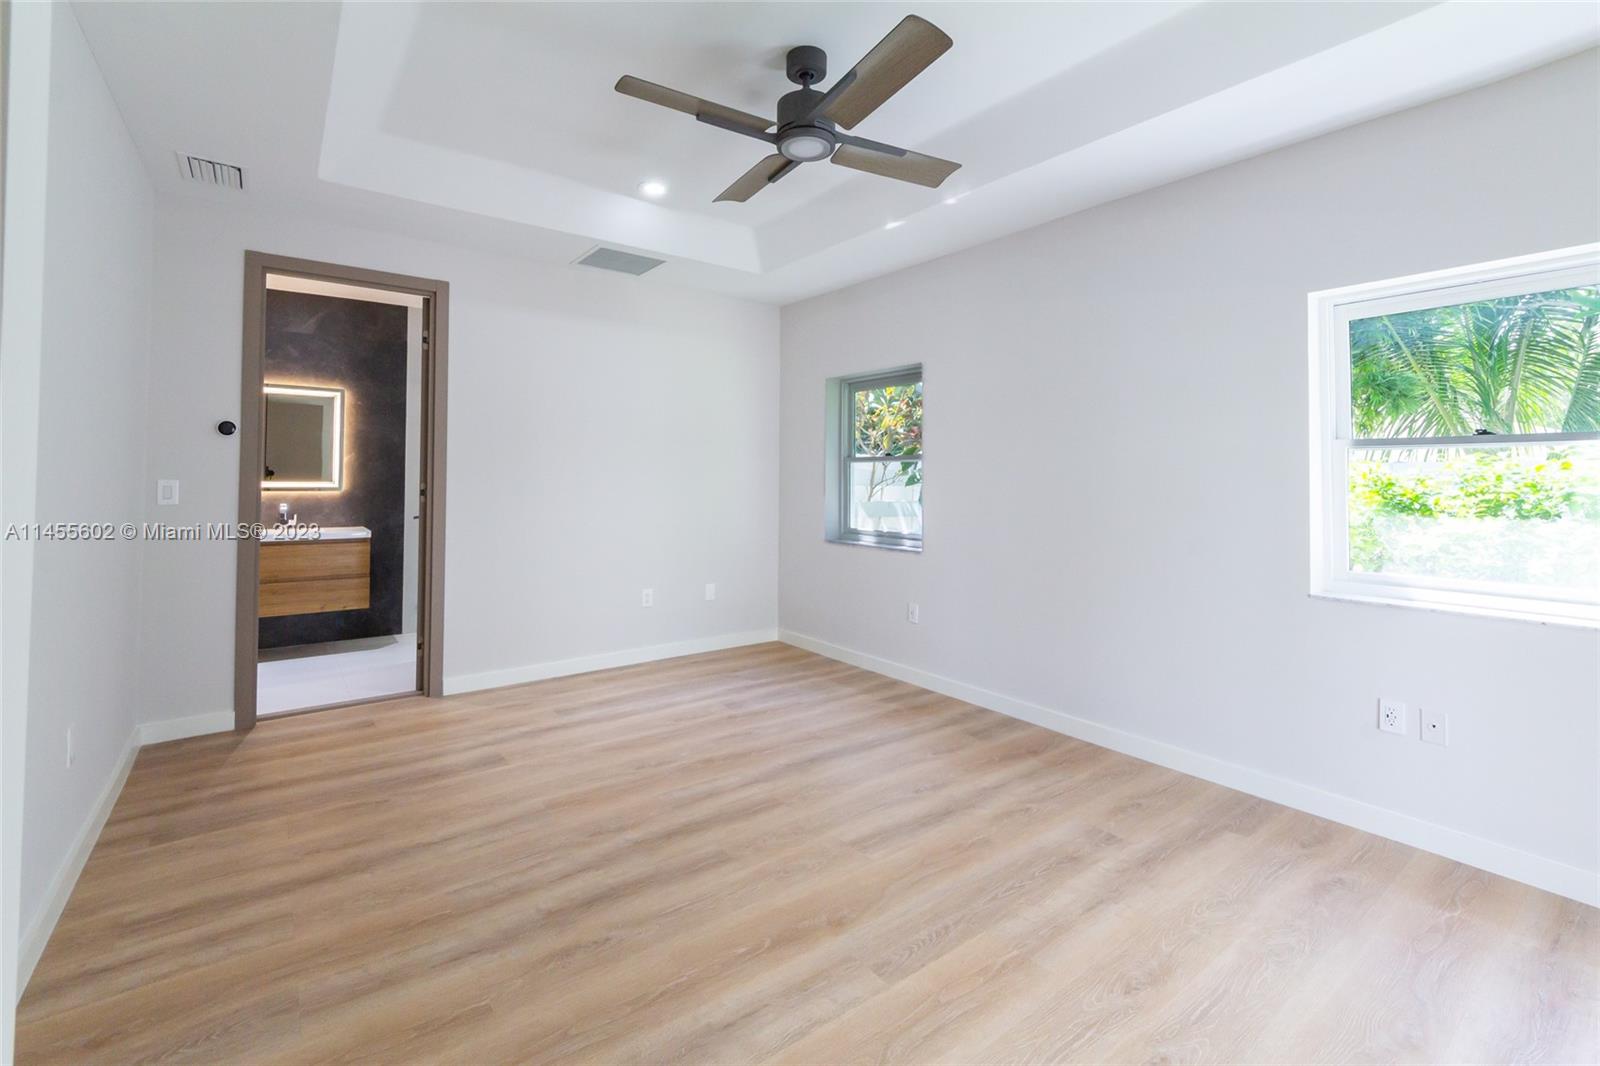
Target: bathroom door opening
{"points": [[341, 464]]}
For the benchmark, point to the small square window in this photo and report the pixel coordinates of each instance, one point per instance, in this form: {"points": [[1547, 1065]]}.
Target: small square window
{"points": [[880, 460]]}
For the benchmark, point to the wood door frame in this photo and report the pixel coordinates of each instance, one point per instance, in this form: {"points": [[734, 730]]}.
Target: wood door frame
{"points": [[252, 457]]}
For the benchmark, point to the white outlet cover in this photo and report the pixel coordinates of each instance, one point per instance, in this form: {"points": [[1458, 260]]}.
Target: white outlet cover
{"points": [[1435, 727], [711, 591], [1392, 716], [647, 598], [913, 613]]}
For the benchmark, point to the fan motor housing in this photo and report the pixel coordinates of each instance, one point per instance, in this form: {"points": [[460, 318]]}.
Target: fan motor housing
{"points": [[812, 138], [793, 109]]}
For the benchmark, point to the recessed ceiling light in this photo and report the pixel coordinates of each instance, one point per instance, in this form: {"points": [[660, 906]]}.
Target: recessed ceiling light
{"points": [[655, 190], [894, 224]]}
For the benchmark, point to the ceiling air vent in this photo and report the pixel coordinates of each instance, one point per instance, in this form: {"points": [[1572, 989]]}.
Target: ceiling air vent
{"points": [[621, 262], [210, 172]]}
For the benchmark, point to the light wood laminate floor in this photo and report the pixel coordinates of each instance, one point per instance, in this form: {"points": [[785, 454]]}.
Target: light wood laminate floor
{"points": [[763, 855]]}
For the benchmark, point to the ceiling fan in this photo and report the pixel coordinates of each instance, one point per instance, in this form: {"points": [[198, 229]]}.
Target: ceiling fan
{"points": [[809, 121]]}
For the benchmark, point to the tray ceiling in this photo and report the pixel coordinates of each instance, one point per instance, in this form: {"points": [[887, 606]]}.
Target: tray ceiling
{"points": [[496, 124]]}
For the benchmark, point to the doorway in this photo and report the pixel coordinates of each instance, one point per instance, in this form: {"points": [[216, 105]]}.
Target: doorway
{"points": [[342, 429]]}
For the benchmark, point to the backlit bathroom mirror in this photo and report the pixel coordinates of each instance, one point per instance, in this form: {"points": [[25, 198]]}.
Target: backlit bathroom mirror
{"points": [[305, 437]]}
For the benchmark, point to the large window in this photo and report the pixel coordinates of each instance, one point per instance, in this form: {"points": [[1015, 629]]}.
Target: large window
{"points": [[880, 459], [1457, 439]]}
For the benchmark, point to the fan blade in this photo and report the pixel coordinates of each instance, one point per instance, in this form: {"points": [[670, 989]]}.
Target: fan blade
{"points": [[757, 178], [914, 167], [704, 110], [906, 52]]}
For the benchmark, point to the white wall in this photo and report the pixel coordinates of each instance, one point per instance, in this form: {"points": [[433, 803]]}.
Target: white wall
{"points": [[1140, 563], [26, 179], [605, 436], [84, 397]]}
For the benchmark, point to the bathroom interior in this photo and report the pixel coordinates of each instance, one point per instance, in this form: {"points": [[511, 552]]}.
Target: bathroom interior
{"points": [[340, 495]]}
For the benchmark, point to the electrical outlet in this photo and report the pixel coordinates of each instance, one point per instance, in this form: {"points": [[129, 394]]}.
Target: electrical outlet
{"points": [[913, 613], [70, 753], [1392, 716], [647, 598], [711, 591], [1435, 727]]}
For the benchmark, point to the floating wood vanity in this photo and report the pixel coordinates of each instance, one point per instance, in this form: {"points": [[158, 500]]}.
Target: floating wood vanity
{"points": [[313, 576]]}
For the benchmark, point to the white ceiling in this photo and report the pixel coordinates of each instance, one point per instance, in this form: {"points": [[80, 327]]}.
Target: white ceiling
{"points": [[496, 124], [511, 110]]}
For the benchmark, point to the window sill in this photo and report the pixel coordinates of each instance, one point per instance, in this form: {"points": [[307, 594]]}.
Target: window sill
{"points": [[867, 540], [1576, 616]]}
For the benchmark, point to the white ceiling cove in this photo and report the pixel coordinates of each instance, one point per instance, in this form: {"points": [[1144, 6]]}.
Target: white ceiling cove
{"points": [[496, 124]]}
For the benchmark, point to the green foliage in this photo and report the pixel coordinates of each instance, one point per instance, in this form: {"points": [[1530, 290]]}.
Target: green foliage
{"points": [[1490, 513], [888, 422], [1519, 364], [1476, 484]]}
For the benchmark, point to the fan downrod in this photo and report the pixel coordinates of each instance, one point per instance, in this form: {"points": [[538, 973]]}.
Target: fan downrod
{"points": [[807, 65]]}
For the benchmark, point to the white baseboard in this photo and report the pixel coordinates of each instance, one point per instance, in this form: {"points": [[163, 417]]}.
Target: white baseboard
{"points": [[521, 675], [1548, 874], [196, 725], [31, 944]]}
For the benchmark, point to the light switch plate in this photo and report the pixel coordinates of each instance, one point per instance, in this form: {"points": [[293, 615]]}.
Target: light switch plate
{"points": [[167, 492], [1435, 727]]}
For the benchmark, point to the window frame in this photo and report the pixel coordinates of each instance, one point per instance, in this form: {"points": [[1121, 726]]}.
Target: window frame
{"points": [[840, 529], [1330, 313]]}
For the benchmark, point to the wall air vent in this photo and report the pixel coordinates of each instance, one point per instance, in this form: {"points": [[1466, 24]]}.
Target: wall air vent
{"points": [[622, 262], [203, 171]]}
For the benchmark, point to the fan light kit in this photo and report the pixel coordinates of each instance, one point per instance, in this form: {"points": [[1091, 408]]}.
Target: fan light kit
{"points": [[809, 121], [655, 190], [805, 147]]}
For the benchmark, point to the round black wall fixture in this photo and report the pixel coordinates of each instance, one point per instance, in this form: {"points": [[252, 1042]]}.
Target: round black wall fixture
{"points": [[226, 428]]}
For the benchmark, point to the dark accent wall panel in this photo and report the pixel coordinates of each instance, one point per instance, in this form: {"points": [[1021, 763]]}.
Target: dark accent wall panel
{"points": [[359, 347]]}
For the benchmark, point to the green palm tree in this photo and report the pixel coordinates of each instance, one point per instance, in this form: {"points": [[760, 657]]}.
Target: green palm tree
{"points": [[1519, 364]]}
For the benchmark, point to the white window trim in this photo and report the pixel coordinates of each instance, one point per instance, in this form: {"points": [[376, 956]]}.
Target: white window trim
{"points": [[1329, 314], [838, 456]]}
